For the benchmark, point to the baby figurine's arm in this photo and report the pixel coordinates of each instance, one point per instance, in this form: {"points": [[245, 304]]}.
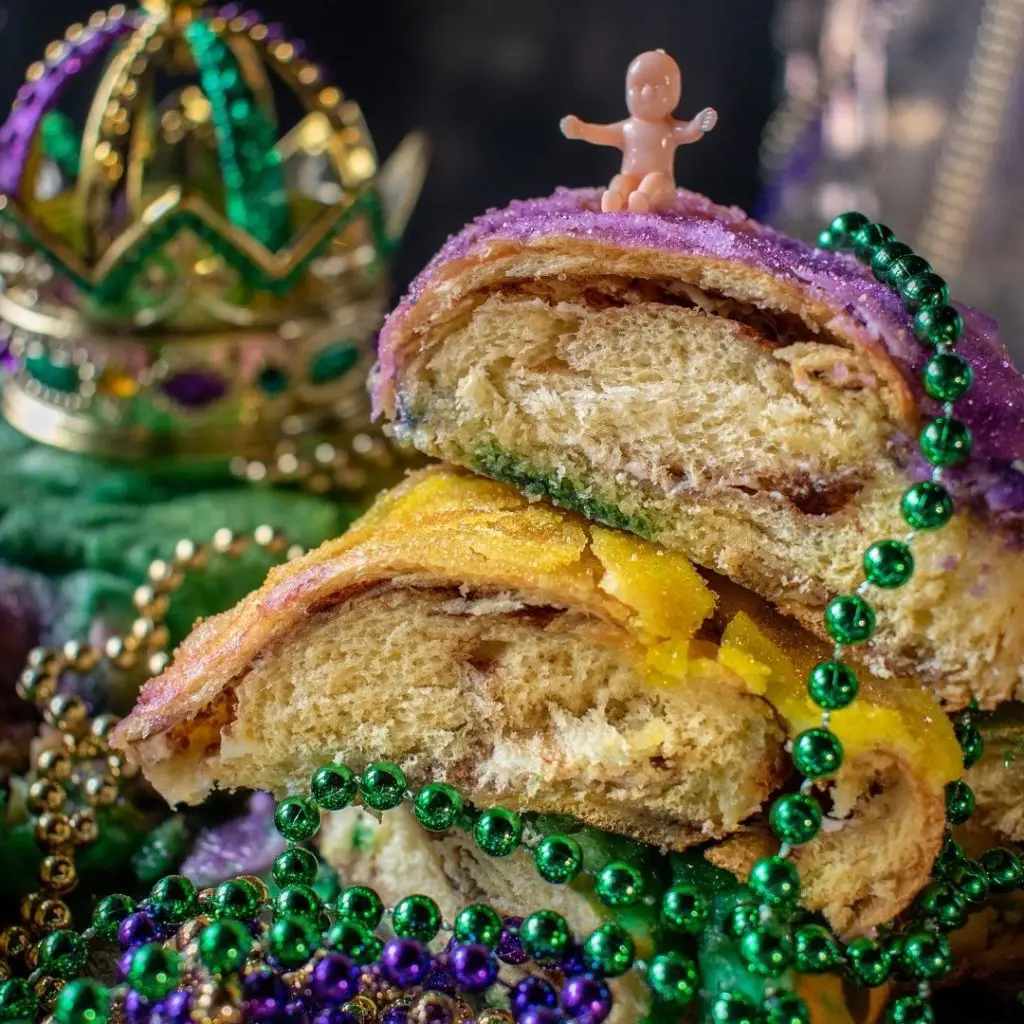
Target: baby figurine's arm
{"points": [[690, 131], [597, 134]]}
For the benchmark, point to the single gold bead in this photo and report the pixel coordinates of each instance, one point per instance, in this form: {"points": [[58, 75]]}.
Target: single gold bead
{"points": [[227, 542], [54, 764], [52, 915], [41, 657], [84, 828], [151, 602], [53, 829], [103, 725], [158, 663], [14, 942], [89, 747], [27, 906], [495, 1015], [269, 538], [80, 657], [100, 790], [66, 711], [45, 795], [190, 930], [163, 576], [47, 988], [32, 956], [119, 653], [188, 554], [36, 685], [58, 872], [120, 767], [463, 1012]]}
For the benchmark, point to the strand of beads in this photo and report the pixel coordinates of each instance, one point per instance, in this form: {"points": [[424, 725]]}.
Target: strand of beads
{"points": [[769, 946], [76, 774]]}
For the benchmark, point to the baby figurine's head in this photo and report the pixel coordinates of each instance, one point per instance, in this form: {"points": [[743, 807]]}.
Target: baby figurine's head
{"points": [[654, 85]]}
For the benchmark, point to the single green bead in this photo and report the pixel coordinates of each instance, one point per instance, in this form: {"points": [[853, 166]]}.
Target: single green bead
{"points": [[940, 902], [927, 289], [83, 1001], [767, 949], [742, 919], [291, 941], [237, 898], [946, 442], [298, 900], [903, 269], [438, 807], [154, 970], [478, 924], [959, 802], [844, 227], [970, 879], [950, 853], [947, 377], [786, 1008], [817, 753], [334, 786], [295, 866], [938, 325], [815, 951], [684, 908], [558, 859], [971, 743], [885, 255], [926, 956], [734, 1008], [795, 818], [224, 946], [849, 619], [1005, 869], [362, 904], [416, 917], [673, 978], [868, 964], [867, 238], [544, 935], [619, 884], [832, 685], [297, 818], [354, 939], [775, 881], [888, 564], [498, 832], [17, 1000], [63, 953], [927, 506], [173, 899], [110, 912], [609, 950], [383, 786], [826, 239], [910, 1010]]}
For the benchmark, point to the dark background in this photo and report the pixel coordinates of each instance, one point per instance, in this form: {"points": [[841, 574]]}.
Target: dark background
{"points": [[490, 79]]}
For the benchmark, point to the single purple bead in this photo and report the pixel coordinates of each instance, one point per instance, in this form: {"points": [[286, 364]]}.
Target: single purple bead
{"points": [[335, 979], [176, 1008], [572, 960], [275, 32], [474, 967], [264, 994], [406, 961], [530, 993], [136, 1009], [137, 929], [509, 947], [439, 979], [124, 964], [586, 999], [231, 11], [541, 1015], [394, 1015]]}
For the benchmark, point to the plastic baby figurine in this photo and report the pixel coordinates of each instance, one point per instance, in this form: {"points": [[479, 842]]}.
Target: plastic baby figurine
{"points": [[648, 138]]}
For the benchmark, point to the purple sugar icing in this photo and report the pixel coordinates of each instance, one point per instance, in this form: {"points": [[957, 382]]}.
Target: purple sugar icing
{"points": [[994, 408]]}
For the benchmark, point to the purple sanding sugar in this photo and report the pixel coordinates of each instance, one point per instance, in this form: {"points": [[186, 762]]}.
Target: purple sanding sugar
{"points": [[994, 408]]}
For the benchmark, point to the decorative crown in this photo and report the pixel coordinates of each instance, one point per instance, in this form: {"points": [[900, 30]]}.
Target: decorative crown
{"points": [[183, 276]]}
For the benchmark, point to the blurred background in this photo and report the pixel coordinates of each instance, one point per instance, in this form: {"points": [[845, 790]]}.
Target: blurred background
{"points": [[911, 110]]}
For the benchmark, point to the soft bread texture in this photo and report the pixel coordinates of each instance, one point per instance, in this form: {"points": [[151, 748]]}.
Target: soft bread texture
{"points": [[536, 661], [724, 412], [998, 778]]}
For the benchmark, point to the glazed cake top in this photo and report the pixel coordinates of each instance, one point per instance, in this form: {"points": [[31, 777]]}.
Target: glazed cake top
{"points": [[993, 408]]}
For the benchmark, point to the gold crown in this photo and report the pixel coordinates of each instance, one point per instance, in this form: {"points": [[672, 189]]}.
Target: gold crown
{"points": [[181, 277]]}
